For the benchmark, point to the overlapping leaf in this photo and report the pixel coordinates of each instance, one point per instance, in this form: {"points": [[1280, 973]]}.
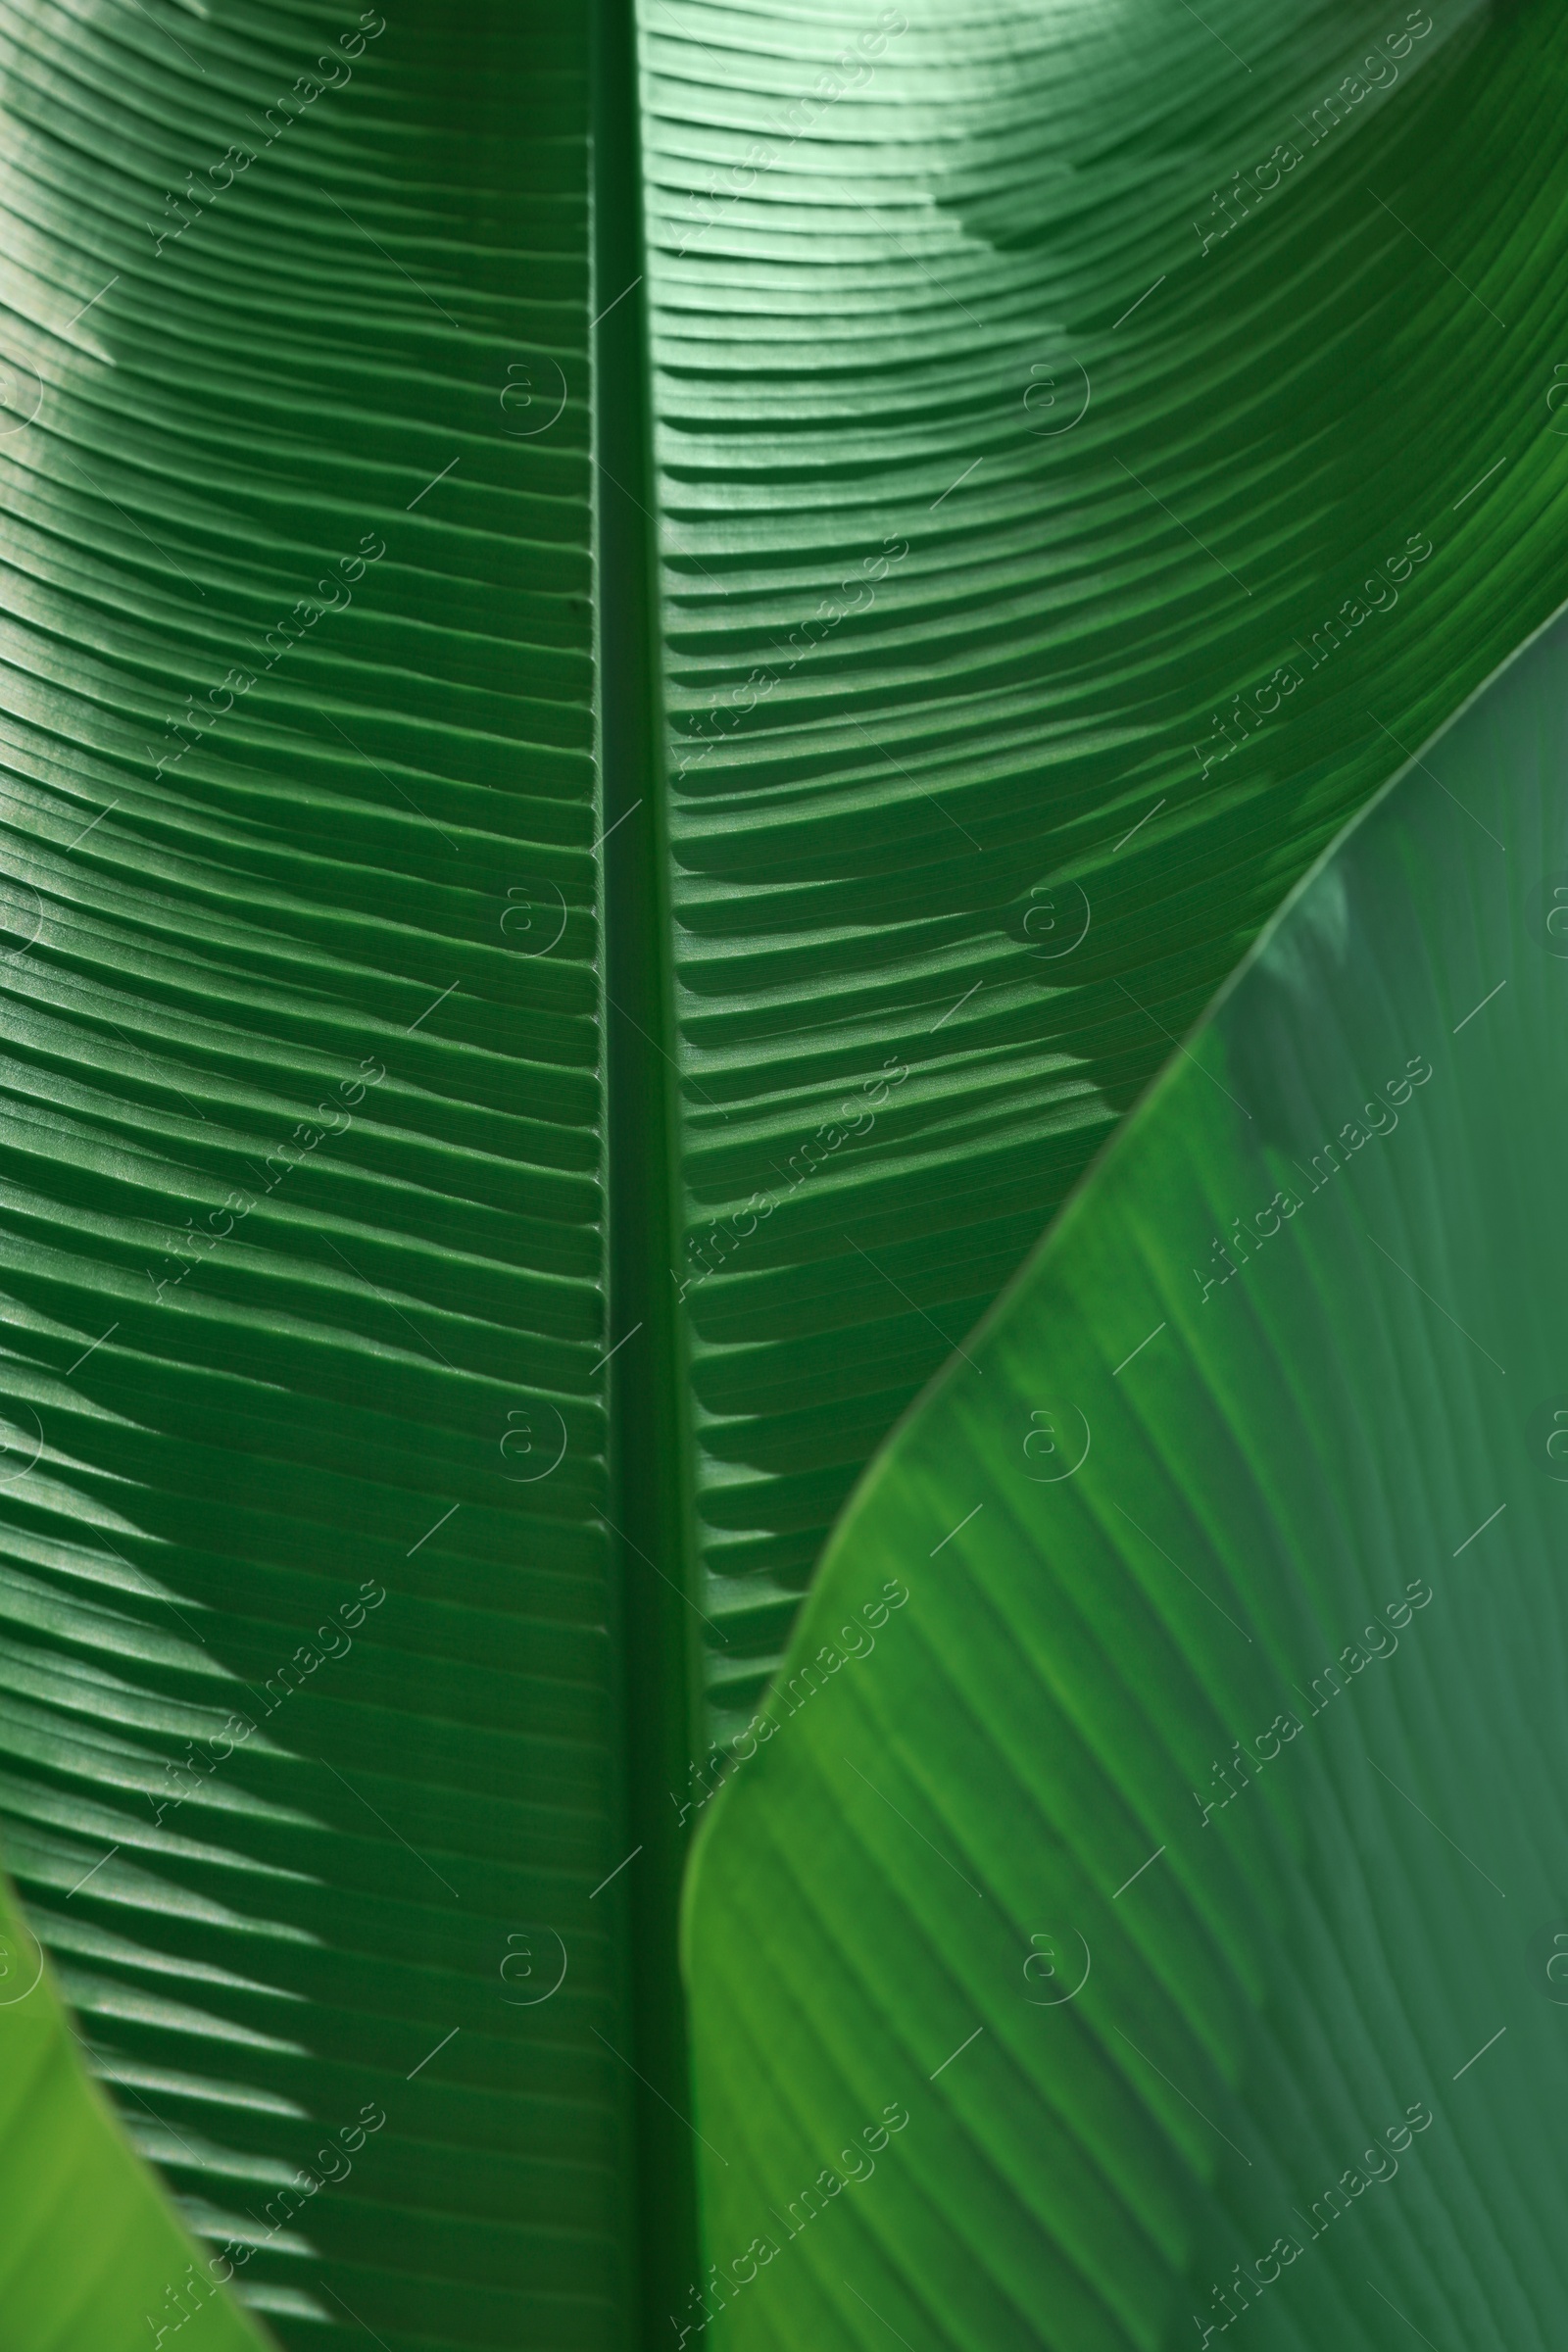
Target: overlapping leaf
{"points": [[333, 1159], [62, 2158], [1162, 1807]]}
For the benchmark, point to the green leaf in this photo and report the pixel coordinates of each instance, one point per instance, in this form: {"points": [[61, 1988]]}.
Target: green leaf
{"points": [[981, 819], [63, 2164], [442, 988], [313, 1753], [1189, 1819]]}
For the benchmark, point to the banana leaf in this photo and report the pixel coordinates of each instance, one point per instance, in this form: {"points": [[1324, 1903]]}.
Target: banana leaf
{"points": [[1068, 518], [64, 2161], [464, 843], [1140, 1913]]}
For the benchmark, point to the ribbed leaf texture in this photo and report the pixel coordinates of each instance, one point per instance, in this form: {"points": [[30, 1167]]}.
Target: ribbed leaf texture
{"points": [[303, 1205], [1161, 1813], [938, 282], [465, 844]]}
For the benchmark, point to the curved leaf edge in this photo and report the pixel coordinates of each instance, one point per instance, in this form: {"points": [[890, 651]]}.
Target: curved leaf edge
{"points": [[821, 1602]]}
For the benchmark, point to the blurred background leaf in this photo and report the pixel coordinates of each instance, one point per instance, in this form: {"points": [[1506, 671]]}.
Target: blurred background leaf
{"points": [[89, 2253]]}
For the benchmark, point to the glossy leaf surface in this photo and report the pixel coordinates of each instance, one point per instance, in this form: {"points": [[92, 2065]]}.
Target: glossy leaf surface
{"points": [[461, 836], [988, 809], [311, 1753], [1162, 1806]]}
